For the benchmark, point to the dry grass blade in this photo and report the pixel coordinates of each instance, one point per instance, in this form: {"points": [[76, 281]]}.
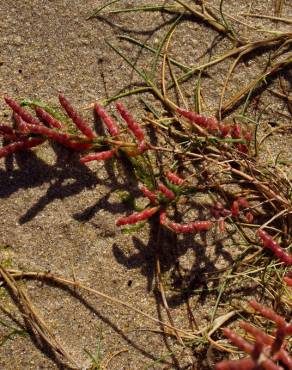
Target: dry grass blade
{"points": [[33, 319], [253, 84], [278, 7], [164, 300], [165, 39], [166, 59], [105, 362], [280, 19], [206, 18], [245, 49], [226, 83], [268, 191]]}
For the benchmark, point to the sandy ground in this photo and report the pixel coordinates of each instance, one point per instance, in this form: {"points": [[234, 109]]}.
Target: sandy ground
{"points": [[59, 216]]}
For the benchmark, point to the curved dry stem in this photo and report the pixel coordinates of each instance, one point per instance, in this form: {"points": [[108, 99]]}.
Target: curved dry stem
{"points": [[206, 18], [248, 48], [280, 19], [16, 274], [33, 318], [245, 90], [231, 69]]}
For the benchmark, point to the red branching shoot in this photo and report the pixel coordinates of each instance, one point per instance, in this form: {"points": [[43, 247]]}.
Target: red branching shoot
{"points": [[212, 124], [249, 217], [238, 341], [266, 350], [174, 179], [269, 365], [218, 210], [162, 217], [218, 129], [236, 132], [79, 122], [108, 121], [60, 137], [45, 116], [244, 364], [194, 117], [19, 145], [148, 194], [288, 329], [224, 129], [285, 358], [8, 133], [101, 156], [255, 332], [133, 126], [239, 205], [267, 313], [6, 130], [243, 202], [270, 243], [27, 117], [78, 146], [137, 217], [288, 279], [20, 124], [196, 226], [26, 126], [221, 225], [166, 192], [235, 209], [248, 136], [142, 147]]}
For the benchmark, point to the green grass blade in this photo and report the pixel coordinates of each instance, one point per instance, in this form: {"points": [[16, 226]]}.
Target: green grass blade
{"points": [[125, 93], [153, 87], [147, 8], [184, 67], [140, 73], [150, 108]]}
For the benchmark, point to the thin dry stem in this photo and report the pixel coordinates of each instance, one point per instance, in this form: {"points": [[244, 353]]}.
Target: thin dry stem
{"points": [[75, 283], [33, 318]]}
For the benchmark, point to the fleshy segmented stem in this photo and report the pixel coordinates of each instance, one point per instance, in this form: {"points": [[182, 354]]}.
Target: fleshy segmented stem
{"points": [[8, 133], [60, 137], [101, 156], [148, 194], [267, 313], [235, 209], [174, 179], [196, 226], [210, 123], [244, 364], [19, 145], [17, 108], [238, 341], [137, 217], [165, 191], [79, 122], [270, 243], [45, 116], [133, 126], [108, 121]]}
